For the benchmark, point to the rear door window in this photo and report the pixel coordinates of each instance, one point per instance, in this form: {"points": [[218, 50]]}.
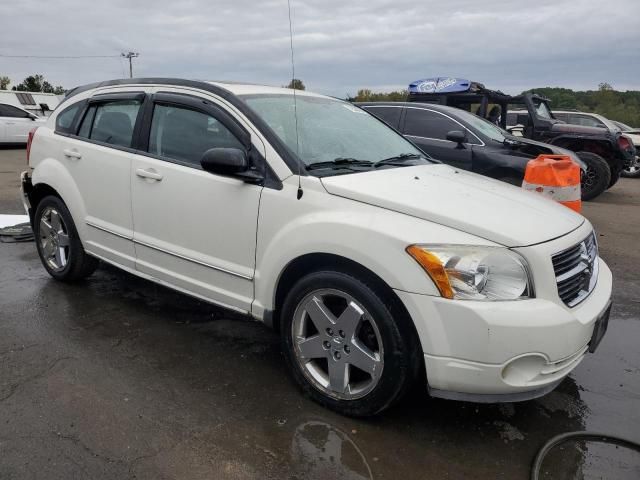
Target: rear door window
{"points": [[111, 122], [389, 115], [585, 120], [561, 116], [428, 124], [184, 135], [12, 112]]}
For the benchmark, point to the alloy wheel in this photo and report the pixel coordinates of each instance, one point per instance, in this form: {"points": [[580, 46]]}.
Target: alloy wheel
{"points": [[54, 239], [337, 344]]}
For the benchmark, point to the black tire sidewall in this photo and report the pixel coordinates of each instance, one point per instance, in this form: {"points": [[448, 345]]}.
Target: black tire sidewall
{"points": [[602, 171], [615, 176], [76, 251], [398, 359]]}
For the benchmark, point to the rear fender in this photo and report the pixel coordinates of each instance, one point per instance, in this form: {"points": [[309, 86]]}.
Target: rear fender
{"points": [[50, 172]]}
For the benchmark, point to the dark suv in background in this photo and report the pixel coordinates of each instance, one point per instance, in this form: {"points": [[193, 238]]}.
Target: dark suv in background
{"points": [[604, 153], [462, 139]]}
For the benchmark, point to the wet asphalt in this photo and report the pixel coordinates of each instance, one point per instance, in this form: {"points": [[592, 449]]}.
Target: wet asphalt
{"points": [[118, 378]]}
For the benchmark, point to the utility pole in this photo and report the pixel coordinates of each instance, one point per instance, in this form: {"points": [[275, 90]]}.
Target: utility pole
{"points": [[130, 55]]}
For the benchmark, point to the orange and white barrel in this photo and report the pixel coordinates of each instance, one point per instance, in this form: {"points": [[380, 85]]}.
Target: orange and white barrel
{"points": [[556, 177]]}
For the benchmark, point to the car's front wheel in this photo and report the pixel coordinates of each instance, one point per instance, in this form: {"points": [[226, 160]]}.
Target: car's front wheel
{"points": [[58, 243], [348, 346]]}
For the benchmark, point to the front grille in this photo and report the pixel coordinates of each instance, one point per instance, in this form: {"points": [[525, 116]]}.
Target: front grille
{"points": [[576, 271]]}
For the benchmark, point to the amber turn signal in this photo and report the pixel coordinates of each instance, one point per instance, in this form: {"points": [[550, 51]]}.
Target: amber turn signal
{"points": [[434, 268]]}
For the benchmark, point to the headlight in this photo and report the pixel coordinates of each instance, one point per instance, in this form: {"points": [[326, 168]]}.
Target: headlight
{"points": [[475, 273]]}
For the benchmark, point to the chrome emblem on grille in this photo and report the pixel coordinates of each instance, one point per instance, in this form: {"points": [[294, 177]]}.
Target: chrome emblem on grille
{"points": [[576, 270]]}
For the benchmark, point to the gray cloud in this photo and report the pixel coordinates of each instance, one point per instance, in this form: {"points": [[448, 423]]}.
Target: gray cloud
{"points": [[340, 45]]}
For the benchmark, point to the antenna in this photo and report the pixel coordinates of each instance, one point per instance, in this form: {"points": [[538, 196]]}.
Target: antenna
{"points": [[295, 103]]}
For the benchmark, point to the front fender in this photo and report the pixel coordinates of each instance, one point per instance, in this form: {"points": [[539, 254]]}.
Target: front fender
{"points": [[373, 237]]}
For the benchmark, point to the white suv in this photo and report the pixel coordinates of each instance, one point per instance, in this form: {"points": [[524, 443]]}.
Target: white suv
{"points": [[375, 263]]}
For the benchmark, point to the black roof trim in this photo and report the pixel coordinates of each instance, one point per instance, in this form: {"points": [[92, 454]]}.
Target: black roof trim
{"points": [[296, 165]]}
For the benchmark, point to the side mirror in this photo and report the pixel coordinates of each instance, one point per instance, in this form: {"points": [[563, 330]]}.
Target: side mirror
{"points": [[232, 162], [457, 136], [224, 161]]}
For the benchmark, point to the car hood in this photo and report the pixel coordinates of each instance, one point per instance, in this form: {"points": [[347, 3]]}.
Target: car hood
{"points": [[548, 148], [462, 200]]}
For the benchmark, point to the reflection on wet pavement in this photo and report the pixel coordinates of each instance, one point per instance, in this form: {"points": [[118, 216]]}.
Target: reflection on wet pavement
{"points": [[320, 451]]}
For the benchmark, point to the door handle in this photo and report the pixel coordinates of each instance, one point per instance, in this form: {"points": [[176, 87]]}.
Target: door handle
{"points": [[72, 153], [10, 123], [151, 174]]}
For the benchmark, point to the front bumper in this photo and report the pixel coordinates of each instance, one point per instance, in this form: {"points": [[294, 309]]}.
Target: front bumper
{"points": [[504, 351]]}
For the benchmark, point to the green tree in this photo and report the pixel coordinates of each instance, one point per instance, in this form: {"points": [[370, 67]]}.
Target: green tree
{"points": [[366, 95], [4, 82], [296, 84], [613, 104], [37, 83]]}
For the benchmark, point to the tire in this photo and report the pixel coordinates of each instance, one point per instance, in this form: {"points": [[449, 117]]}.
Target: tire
{"points": [[597, 177], [58, 243], [377, 337], [615, 176], [633, 170]]}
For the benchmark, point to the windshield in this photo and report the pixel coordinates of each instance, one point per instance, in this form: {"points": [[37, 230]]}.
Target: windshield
{"points": [[329, 129], [608, 123], [623, 126], [484, 126]]}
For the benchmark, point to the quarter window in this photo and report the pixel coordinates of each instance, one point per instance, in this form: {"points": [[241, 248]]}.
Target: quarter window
{"points": [[64, 120], [183, 134], [429, 124]]}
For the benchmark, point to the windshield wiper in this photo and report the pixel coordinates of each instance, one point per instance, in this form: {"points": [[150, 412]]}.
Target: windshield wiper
{"points": [[400, 160], [340, 162]]}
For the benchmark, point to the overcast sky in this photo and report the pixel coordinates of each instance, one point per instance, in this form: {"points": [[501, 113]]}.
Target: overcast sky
{"points": [[340, 45]]}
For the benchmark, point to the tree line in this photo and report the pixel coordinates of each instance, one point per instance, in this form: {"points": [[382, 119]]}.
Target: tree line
{"points": [[614, 105], [33, 83]]}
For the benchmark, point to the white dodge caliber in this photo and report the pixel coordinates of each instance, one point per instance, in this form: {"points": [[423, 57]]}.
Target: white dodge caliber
{"points": [[379, 266]]}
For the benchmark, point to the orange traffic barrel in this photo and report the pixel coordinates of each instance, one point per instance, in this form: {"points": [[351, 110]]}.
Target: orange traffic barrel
{"points": [[556, 177]]}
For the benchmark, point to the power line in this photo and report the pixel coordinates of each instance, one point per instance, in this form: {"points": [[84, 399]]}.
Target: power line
{"points": [[59, 56]]}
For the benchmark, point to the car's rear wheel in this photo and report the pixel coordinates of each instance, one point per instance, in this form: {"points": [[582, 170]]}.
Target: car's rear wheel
{"points": [[597, 177], [345, 347], [57, 241], [633, 169]]}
